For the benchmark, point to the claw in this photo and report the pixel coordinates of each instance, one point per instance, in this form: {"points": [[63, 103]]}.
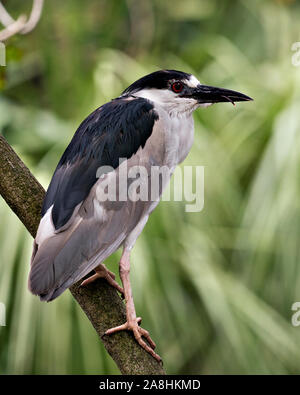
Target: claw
{"points": [[138, 333], [90, 279], [103, 272], [132, 323]]}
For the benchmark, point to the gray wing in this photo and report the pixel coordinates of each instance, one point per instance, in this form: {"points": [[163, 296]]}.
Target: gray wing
{"points": [[115, 130], [67, 256]]}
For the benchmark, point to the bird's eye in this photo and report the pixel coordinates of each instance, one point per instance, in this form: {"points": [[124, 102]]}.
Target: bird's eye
{"points": [[177, 87]]}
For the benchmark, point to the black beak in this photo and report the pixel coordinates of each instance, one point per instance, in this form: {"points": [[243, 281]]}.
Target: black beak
{"points": [[211, 94]]}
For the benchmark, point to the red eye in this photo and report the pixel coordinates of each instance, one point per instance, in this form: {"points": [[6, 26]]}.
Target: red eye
{"points": [[177, 87]]}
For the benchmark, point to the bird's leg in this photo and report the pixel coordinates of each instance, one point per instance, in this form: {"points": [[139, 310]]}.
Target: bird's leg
{"points": [[132, 320], [103, 272]]}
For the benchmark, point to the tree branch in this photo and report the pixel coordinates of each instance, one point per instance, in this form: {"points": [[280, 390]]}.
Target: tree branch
{"points": [[100, 302], [22, 24]]}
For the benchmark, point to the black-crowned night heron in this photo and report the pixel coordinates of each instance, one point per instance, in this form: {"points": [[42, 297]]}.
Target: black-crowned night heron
{"points": [[150, 124]]}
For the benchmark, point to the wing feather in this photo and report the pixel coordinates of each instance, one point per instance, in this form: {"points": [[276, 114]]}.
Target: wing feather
{"points": [[71, 238], [115, 130]]}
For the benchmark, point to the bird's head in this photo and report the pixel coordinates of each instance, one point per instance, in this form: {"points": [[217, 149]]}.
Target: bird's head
{"points": [[180, 93]]}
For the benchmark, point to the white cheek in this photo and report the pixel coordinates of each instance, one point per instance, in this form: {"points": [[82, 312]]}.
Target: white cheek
{"points": [[169, 101], [158, 96]]}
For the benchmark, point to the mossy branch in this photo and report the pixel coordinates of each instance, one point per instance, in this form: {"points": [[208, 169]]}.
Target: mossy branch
{"points": [[100, 302]]}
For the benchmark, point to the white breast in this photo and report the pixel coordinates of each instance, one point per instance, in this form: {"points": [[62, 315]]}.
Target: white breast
{"points": [[179, 137]]}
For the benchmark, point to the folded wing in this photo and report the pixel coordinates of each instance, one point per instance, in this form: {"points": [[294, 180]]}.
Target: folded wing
{"points": [[74, 234]]}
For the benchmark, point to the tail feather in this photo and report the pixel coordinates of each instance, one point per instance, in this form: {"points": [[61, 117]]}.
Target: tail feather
{"points": [[42, 276], [63, 259]]}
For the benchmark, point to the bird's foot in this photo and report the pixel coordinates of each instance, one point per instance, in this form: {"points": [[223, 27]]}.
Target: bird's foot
{"points": [[138, 333], [103, 272]]}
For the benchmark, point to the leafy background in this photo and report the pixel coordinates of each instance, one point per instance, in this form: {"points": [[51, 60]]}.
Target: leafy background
{"points": [[215, 288]]}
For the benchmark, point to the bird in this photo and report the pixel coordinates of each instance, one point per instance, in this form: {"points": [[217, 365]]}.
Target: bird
{"points": [[149, 124]]}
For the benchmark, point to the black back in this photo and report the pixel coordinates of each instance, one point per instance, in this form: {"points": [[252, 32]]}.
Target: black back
{"points": [[115, 130]]}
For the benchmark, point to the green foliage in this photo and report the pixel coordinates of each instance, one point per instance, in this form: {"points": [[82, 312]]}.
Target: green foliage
{"points": [[214, 288]]}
